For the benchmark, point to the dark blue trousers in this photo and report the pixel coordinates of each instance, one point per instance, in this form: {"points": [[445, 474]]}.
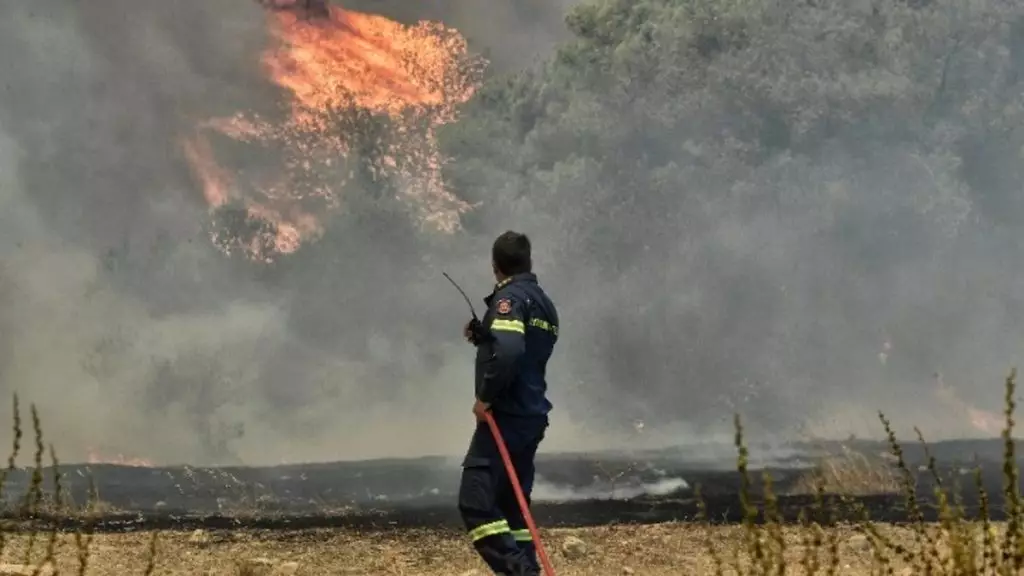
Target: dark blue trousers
{"points": [[487, 500]]}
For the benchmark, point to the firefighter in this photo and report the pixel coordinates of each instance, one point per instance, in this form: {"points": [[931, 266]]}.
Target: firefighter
{"points": [[514, 341]]}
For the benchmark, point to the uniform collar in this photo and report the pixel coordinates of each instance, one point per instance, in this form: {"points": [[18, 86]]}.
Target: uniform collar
{"points": [[524, 277]]}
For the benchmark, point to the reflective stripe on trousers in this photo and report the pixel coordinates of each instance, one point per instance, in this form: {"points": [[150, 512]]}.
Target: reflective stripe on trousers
{"points": [[489, 529]]}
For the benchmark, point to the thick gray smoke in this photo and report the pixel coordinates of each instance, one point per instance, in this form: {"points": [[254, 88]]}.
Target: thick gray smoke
{"points": [[118, 318], [109, 280], [801, 212], [134, 335]]}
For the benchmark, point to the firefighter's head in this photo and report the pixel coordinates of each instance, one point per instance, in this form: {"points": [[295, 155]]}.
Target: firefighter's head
{"points": [[510, 255]]}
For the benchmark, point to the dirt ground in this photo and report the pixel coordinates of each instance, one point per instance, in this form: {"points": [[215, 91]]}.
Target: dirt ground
{"points": [[659, 550]]}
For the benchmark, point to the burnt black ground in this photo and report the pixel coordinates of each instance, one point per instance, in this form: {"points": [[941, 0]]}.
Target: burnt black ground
{"points": [[421, 492]]}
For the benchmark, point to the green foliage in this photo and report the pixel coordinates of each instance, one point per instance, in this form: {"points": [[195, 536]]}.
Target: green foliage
{"points": [[658, 92]]}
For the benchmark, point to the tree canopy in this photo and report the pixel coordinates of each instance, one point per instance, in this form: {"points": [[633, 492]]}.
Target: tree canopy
{"points": [[734, 192]]}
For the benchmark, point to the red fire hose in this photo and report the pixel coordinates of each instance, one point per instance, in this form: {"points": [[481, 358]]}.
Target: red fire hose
{"points": [[523, 506]]}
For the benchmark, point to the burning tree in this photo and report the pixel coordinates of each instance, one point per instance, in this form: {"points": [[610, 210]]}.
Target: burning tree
{"points": [[364, 95]]}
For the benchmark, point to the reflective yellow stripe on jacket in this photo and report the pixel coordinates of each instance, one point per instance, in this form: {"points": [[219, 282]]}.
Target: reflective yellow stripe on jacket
{"points": [[517, 326], [502, 325], [544, 325]]}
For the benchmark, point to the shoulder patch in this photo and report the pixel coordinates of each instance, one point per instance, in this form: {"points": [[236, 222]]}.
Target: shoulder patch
{"points": [[504, 306]]}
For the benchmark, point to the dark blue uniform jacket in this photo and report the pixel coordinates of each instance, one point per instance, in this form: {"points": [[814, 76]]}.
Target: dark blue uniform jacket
{"points": [[511, 367]]}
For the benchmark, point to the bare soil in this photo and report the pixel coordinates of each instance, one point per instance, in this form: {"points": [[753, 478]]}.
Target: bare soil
{"points": [[657, 550]]}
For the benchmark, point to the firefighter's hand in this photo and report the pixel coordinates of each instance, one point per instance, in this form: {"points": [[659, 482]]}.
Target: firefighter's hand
{"points": [[474, 332], [480, 410]]}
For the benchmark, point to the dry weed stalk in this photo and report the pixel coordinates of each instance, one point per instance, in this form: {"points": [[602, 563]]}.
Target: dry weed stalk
{"points": [[957, 546], [31, 514]]}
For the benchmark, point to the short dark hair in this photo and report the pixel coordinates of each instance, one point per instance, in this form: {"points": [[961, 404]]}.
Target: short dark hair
{"points": [[511, 253]]}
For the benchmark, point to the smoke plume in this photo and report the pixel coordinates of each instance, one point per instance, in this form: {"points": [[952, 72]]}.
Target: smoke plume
{"points": [[806, 289], [123, 322]]}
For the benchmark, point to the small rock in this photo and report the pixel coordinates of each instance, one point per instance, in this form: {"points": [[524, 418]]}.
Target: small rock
{"points": [[627, 570], [859, 542], [200, 538], [24, 570], [267, 567], [286, 569], [255, 567], [574, 548]]}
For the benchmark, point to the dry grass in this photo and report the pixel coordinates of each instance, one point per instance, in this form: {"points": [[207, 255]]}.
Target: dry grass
{"points": [[659, 550], [850, 473], [954, 546]]}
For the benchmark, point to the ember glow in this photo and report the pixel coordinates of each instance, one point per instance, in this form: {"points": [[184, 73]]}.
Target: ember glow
{"points": [[96, 457], [325, 61], [989, 423]]}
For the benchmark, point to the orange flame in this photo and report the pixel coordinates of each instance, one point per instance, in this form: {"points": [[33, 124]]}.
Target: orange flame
{"points": [[416, 73], [982, 420], [94, 457]]}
